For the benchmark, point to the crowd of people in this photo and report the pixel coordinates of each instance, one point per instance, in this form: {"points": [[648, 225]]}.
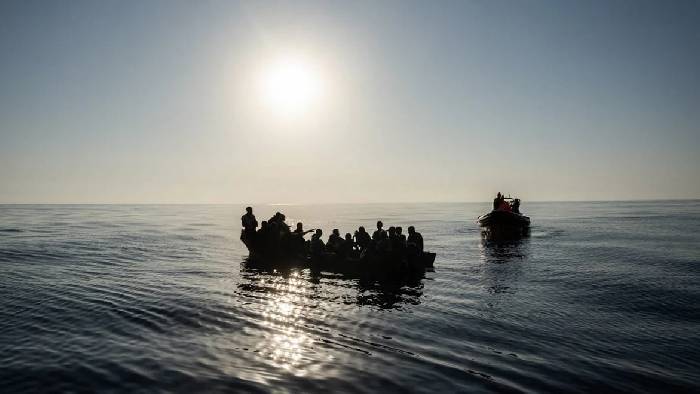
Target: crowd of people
{"points": [[500, 203], [275, 237]]}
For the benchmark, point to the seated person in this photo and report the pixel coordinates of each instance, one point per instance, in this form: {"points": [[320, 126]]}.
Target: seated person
{"points": [[347, 247], [377, 235], [262, 237], [317, 246], [400, 243], [362, 238], [516, 205], [504, 206], [335, 241], [297, 238], [399, 234], [300, 230], [393, 239], [278, 220]]}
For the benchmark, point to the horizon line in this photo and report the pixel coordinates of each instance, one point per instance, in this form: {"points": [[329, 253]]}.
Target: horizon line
{"points": [[341, 203]]}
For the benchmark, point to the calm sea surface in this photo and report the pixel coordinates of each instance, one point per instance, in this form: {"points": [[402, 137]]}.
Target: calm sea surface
{"points": [[158, 298]]}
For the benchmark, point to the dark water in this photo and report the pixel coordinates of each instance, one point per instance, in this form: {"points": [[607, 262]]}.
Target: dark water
{"points": [[157, 298]]}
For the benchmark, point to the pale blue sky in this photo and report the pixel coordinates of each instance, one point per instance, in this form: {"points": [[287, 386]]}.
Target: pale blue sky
{"points": [[150, 101]]}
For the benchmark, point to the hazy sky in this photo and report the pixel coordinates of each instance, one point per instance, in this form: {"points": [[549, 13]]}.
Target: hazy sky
{"points": [[159, 101]]}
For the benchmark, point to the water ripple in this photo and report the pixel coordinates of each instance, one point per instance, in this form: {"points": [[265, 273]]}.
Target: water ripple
{"points": [[159, 298]]}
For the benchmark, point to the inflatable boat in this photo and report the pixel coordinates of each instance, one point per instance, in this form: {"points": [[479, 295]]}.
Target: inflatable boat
{"points": [[504, 223]]}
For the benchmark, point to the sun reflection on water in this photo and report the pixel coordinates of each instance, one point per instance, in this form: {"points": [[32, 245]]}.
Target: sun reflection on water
{"points": [[299, 310], [286, 345]]}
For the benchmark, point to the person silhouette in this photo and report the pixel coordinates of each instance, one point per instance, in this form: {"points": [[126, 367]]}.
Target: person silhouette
{"points": [[362, 238], [249, 224], [415, 239], [379, 233], [335, 241], [317, 246]]}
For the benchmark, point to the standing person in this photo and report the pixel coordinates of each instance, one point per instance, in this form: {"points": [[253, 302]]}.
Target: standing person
{"points": [[415, 240], [249, 224], [497, 201]]}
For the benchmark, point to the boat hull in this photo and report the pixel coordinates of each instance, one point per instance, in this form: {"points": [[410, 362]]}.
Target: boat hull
{"points": [[348, 265], [504, 224]]}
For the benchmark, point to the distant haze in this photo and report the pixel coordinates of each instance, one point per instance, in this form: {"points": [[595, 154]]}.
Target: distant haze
{"points": [[158, 101]]}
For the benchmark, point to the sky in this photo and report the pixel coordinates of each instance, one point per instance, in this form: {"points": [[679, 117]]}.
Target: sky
{"points": [[164, 101]]}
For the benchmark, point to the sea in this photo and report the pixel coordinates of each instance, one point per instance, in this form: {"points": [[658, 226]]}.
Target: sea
{"points": [[601, 297]]}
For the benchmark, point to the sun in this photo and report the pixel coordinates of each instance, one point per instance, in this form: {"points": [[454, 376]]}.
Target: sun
{"points": [[291, 87]]}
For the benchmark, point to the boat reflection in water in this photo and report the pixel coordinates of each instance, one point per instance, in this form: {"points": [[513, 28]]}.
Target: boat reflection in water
{"points": [[384, 291], [502, 264], [502, 250], [390, 294], [295, 307]]}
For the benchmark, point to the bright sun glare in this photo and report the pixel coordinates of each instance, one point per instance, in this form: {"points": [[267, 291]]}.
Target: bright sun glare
{"points": [[291, 87]]}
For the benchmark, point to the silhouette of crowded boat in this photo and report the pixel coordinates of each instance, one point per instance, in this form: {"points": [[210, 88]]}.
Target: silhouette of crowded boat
{"points": [[384, 252], [505, 220]]}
